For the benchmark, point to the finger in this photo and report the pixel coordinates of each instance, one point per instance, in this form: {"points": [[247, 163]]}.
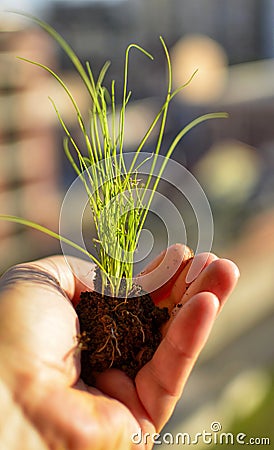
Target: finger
{"points": [[172, 293], [69, 274], [83, 276], [160, 382], [160, 274], [119, 386], [219, 277], [73, 274]]}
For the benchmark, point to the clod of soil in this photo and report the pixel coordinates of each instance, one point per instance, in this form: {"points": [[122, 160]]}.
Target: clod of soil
{"points": [[118, 332]]}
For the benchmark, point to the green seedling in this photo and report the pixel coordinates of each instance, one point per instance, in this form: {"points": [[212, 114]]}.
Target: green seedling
{"points": [[117, 196]]}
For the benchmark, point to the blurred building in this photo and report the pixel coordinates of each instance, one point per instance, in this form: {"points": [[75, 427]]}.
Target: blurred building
{"points": [[102, 30], [29, 182]]}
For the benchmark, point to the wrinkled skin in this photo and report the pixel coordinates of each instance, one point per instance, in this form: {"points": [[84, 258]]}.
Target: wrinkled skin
{"points": [[44, 403]]}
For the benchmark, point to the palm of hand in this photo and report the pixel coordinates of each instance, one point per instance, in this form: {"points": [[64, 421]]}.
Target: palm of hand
{"points": [[38, 329]]}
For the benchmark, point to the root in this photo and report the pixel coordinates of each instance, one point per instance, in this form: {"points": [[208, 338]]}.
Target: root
{"points": [[138, 320], [114, 343]]}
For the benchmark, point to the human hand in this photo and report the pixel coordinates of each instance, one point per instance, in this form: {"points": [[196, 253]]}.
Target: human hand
{"points": [[45, 404]]}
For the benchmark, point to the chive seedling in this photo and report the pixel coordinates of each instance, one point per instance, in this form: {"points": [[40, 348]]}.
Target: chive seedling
{"points": [[119, 201]]}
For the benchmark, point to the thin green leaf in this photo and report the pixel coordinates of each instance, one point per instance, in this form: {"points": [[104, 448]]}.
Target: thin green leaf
{"points": [[35, 226]]}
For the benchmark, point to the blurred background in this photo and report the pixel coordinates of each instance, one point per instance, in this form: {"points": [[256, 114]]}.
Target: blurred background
{"points": [[232, 45]]}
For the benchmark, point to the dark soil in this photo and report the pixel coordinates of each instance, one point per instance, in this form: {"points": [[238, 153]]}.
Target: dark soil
{"points": [[118, 332]]}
